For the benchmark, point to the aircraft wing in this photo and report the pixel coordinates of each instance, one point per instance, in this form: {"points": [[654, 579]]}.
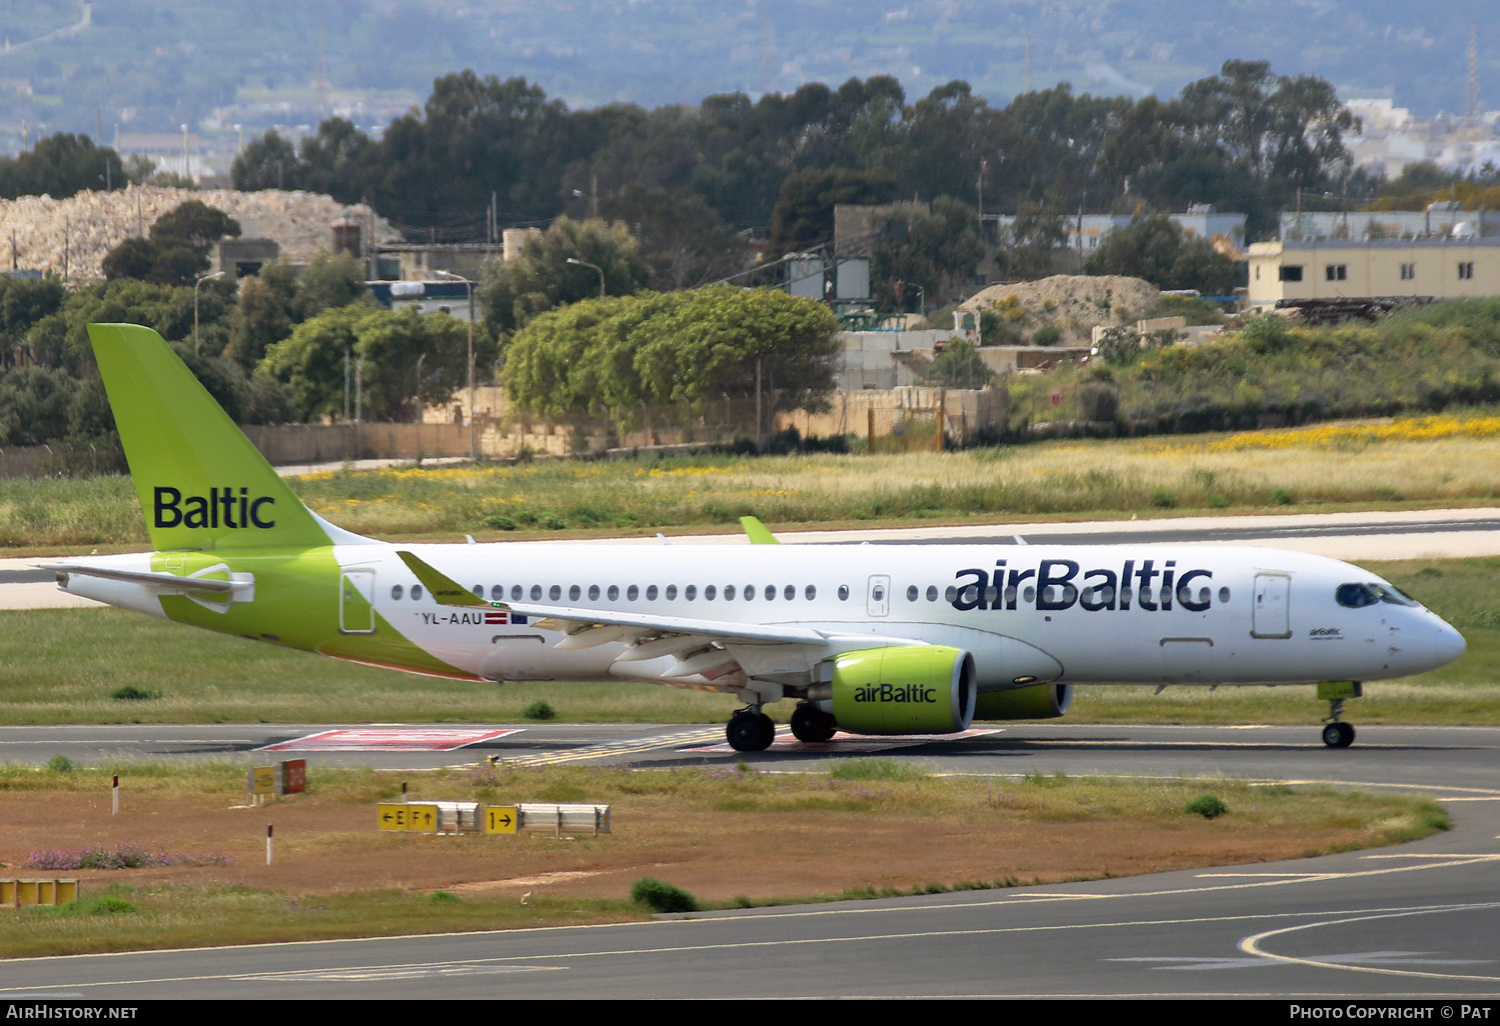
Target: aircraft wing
{"points": [[684, 651]]}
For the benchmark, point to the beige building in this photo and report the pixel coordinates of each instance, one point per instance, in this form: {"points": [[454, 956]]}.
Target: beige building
{"points": [[1443, 268]]}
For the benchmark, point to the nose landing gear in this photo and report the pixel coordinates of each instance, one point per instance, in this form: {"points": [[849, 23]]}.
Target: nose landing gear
{"points": [[1337, 733]]}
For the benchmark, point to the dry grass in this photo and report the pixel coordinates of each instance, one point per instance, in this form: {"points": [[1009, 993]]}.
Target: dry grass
{"points": [[790, 837]]}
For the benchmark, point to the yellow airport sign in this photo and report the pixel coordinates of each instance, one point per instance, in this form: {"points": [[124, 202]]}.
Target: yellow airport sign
{"points": [[401, 816], [501, 819], [263, 780]]}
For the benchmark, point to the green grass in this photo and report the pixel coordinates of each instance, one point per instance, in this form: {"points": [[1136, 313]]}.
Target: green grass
{"points": [[66, 666], [1311, 471]]}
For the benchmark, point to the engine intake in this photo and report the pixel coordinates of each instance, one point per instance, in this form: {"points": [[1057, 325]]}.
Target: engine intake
{"points": [[908, 689]]}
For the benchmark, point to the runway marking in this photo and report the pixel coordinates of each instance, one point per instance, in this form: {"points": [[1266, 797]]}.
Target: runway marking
{"points": [[408, 739], [616, 748], [1252, 945], [741, 945], [397, 972], [1191, 963]]}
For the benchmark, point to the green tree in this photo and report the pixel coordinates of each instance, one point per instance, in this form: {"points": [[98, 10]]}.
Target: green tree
{"points": [[177, 250], [330, 280], [958, 366], [680, 235], [679, 347], [395, 348], [269, 162], [939, 248], [23, 302], [263, 314], [803, 216], [34, 405], [61, 339], [1153, 249], [512, 293], [60, 166]]}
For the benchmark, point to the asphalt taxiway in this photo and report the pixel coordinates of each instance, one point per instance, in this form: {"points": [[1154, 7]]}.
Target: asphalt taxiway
{"points": [[1412, 921]]}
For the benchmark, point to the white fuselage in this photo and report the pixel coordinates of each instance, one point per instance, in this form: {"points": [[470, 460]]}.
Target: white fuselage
{"points": [[1229, 615]]}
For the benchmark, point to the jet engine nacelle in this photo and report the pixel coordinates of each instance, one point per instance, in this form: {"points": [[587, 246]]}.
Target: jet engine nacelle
{"points": [[1038, 702], [907, 689]]}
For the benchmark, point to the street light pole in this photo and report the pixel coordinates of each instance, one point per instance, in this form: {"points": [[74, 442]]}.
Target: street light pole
{"points": [[201, 279], [585, 263], [469, 289]]}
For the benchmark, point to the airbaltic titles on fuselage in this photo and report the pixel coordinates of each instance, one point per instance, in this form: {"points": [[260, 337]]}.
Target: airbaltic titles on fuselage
{"points": [[1094, 590]]}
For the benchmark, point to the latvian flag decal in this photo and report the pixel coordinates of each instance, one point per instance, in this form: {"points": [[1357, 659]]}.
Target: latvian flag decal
{"points": [[498, 617]]}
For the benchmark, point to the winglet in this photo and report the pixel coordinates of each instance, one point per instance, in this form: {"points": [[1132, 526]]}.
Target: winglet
{"points": [[444, 590], [757, 532]]}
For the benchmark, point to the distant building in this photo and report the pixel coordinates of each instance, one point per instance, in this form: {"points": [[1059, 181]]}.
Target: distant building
{"points": [[1442, 267], [1084, 232]]}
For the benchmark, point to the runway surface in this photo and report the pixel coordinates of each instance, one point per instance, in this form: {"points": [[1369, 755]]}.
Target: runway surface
{"points": [[1417, 920]]}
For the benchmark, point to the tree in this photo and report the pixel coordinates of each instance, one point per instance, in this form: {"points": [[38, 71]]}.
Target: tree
{"points": [[1153, 249], [681, 347], [329, 280], [177, 250], [939, 247], [959, 365], [540, 279], [61, 339], [23, 302], [394, 346], [61, 166], [269, 162], [680, 235], [263, 314], [34, 405], [803, 217], [1034, 238]]}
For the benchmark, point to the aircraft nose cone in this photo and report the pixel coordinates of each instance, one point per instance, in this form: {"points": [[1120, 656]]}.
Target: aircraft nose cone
{"points": [[1448, 644]]}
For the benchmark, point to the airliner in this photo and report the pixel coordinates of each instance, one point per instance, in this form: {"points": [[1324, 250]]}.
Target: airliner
{"points": [[869, 639]]}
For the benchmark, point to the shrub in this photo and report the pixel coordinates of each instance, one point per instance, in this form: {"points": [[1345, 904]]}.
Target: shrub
{"points": [[1046, 335], [662, 897], [1100, 401], [447, 897], [500, 522], [1206, 805], [540, 710], [131, 693], [60, 764]]}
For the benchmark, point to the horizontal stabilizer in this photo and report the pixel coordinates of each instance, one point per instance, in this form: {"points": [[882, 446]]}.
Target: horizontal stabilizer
{"points": [[170, 582]]}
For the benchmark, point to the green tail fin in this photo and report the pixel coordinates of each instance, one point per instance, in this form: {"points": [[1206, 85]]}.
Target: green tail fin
{"points": [[201, 483]]}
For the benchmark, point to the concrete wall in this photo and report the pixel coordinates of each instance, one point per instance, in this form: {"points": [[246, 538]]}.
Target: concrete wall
{"points": [[291, 444]]}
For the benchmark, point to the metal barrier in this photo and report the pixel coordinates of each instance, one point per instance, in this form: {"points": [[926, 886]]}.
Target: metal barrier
{"points": [[563, 819]]}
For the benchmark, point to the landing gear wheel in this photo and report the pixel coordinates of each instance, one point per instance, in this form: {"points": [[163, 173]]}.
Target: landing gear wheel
{"points": [[750, 731], [811, 724], [1338, 735]]}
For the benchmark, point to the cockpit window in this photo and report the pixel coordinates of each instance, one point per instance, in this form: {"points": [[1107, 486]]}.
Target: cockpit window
{"points": [[1394, 595], [1356, 596]]}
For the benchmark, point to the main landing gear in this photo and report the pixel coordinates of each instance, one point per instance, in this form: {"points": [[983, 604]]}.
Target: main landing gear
{"points": [[811, 724], [750, 730], [1337, 733]]}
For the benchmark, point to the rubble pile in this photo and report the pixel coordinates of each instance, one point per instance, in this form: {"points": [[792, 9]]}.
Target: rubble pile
{"points": [[70, 237], [1075, 303]]}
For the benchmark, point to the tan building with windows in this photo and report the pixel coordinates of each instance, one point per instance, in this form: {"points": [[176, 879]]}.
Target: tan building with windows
{"points": [[1443, 268]]}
